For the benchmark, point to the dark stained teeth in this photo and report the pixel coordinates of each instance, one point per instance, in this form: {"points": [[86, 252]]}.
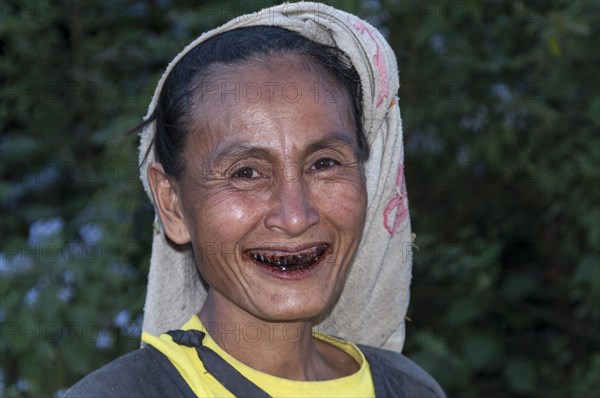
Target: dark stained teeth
{"points": [[293, 262]]}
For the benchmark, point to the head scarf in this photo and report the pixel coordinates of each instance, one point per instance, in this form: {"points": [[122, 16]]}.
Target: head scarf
{"points": [[372, 306]]}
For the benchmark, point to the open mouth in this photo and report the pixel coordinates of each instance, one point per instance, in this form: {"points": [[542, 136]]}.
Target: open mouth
{"points": [[292, 261]]}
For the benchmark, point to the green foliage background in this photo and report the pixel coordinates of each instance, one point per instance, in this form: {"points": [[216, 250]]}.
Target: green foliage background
{"points": [[501, 112]]}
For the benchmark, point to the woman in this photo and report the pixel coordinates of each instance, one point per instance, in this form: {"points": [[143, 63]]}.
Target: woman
{"points": [[272, 154]]}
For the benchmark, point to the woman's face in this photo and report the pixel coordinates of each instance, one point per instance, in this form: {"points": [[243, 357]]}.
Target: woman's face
{"points": [[273, 198]]}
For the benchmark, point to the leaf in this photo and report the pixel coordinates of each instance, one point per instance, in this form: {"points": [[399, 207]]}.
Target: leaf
{"points": [[588, 272], [481, 351], [594, 111], [465, 310], [521, 375], [518, 286]]}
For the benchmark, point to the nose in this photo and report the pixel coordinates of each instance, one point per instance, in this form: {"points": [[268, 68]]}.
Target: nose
{"points": [[292, 210]]}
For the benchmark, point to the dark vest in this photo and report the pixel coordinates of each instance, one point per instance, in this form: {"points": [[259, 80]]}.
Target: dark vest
{"points": [[149, 373]]}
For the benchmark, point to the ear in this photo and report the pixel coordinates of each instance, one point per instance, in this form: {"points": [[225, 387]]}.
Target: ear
{"points": [[166, 200]]}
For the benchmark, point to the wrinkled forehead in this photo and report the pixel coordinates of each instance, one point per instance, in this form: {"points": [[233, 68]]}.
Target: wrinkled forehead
{"points": [[258, 95], [276, 77], [276, 82]]}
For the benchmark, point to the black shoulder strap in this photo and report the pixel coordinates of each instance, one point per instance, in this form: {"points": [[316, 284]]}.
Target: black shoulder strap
{"points": [[226, 374]]}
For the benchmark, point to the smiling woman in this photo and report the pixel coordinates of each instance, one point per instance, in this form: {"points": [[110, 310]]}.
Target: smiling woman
{"points": [[255, 154], [285, 185]]}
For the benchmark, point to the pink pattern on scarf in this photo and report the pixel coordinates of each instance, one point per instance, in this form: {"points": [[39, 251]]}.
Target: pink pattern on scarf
{"points": [[377, 59], [399, 202]]}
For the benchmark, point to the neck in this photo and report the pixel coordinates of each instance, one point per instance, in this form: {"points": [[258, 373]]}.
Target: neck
{"points": [[283, 349]]}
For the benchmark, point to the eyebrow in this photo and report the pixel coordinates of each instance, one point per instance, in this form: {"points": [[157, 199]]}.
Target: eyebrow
{"points": [[236, 150], [332, 141]]}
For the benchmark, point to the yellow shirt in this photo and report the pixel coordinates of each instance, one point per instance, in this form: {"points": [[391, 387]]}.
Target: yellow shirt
{"points": [[203, 384]]}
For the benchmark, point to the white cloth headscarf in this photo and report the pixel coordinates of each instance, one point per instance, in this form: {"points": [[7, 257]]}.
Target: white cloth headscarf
{"points": [[372, 306]]}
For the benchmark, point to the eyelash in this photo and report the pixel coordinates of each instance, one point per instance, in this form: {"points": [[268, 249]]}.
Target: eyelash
{"points": [[321, 164], [238, 173], [330, 163]]}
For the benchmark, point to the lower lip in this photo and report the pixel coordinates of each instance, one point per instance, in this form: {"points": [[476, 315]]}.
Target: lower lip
{"points": [[295, 274]]}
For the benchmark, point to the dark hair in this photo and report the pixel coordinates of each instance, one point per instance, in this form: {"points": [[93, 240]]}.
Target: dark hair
{"points": [[235, 47]]}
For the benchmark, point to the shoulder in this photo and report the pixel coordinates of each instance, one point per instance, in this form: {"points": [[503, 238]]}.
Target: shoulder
{"points": [[141, 373], [396, 375]]}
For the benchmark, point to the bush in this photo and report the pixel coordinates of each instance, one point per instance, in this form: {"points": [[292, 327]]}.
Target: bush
{"points": [[501, 112]]}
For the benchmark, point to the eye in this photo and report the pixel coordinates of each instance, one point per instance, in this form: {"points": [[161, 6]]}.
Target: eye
{"points": [[324, 163], [246, 173]]}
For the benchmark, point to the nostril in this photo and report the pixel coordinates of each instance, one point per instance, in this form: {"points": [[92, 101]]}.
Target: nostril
{"points": [[292, 209]]}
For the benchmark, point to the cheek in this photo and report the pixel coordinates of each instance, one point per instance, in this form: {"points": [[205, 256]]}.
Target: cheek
{"points": [[222, 215], [218, 221], [344, 202]]}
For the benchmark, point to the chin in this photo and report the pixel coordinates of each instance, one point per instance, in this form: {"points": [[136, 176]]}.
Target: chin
{"points": [[295, 309]]}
